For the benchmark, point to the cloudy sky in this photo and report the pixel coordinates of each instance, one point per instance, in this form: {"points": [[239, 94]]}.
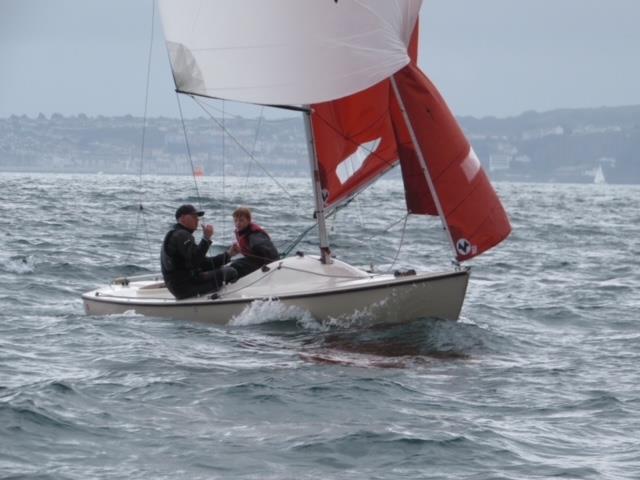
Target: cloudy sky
{"points": [[488, 57]]}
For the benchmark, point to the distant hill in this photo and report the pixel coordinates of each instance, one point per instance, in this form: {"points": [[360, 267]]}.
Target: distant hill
{"points": [[569, 145]]}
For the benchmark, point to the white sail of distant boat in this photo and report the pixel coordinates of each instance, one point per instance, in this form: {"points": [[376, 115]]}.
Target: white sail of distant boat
{"points": [[351, 68], [598, 176]]}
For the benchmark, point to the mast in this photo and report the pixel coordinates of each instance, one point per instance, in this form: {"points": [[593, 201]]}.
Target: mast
{"points": [[325, 253], [423, 164]]}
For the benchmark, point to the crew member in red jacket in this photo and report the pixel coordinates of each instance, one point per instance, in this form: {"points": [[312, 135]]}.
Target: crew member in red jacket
{"points": [[253, 242]]}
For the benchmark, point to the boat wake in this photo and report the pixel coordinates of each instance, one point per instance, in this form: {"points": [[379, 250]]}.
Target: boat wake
{"points": [[272, 310], [422, 341], [267, 311], [126, 313]]}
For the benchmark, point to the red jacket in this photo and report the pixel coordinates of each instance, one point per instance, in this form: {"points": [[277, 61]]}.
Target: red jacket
{"points": [[244, 241]]}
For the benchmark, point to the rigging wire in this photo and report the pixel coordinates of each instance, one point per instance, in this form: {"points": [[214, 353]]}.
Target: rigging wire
{"points": [[404, 228], [224, 194], [140, 216], [186, 141], [297, 240], [368, 243], [300, 237], [253, 148], [244, 149], [388, 228]]}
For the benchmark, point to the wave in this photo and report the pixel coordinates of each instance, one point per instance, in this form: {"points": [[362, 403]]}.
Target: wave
{"points": [[400, 346], [267, 311], [18, 264]]}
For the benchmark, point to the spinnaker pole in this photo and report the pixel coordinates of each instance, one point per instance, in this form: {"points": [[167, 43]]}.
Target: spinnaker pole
{"points": [[325, 252]]}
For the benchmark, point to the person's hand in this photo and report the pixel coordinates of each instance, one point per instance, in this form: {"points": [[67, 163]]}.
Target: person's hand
{"points": [[233, 250], [207, 231]]}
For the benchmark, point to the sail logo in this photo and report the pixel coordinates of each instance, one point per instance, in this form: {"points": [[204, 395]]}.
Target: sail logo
{"points": [[464, 247], [325, 195], [350, 165], [470, 165]]}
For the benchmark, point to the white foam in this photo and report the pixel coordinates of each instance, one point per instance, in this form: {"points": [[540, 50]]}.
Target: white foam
{"points": [[264, 311], [20, 265], [126, 313], [359, 318]]}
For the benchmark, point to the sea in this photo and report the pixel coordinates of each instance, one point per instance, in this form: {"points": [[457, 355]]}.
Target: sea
{"points": [[539, 378]]}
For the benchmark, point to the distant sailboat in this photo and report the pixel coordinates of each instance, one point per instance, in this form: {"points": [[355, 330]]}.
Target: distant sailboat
{"points": [[351, 69], [598, 176], [198, 171]]}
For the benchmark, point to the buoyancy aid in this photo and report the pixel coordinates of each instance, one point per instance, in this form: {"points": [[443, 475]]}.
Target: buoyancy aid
{"points": [[242, 238]]}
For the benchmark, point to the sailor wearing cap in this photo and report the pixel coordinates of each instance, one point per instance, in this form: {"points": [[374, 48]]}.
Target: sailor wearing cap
{"points": [[186, 269]]}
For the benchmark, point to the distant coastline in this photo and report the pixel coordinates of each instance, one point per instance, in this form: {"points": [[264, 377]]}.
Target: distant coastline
{"points": [[571, 145]]}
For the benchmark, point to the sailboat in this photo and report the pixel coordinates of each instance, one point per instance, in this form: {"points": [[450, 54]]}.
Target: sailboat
{"points": [[350, 68], [598, 176]]}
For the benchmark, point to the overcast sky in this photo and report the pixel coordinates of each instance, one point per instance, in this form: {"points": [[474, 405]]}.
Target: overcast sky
{"points": [[488, 57]]}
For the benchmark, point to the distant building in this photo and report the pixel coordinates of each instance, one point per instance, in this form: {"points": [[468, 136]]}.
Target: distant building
{"points": [[543, 132], [499, 161], [607, 162]]}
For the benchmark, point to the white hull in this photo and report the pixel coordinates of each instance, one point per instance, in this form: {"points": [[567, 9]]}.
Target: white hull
{"points": [[328, 292]]}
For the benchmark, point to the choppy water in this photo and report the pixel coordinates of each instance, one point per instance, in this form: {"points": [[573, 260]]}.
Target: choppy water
{"points": [[539, 379]]}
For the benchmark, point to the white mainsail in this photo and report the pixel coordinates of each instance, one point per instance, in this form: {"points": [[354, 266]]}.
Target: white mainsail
{"points": [[285, 52]]}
